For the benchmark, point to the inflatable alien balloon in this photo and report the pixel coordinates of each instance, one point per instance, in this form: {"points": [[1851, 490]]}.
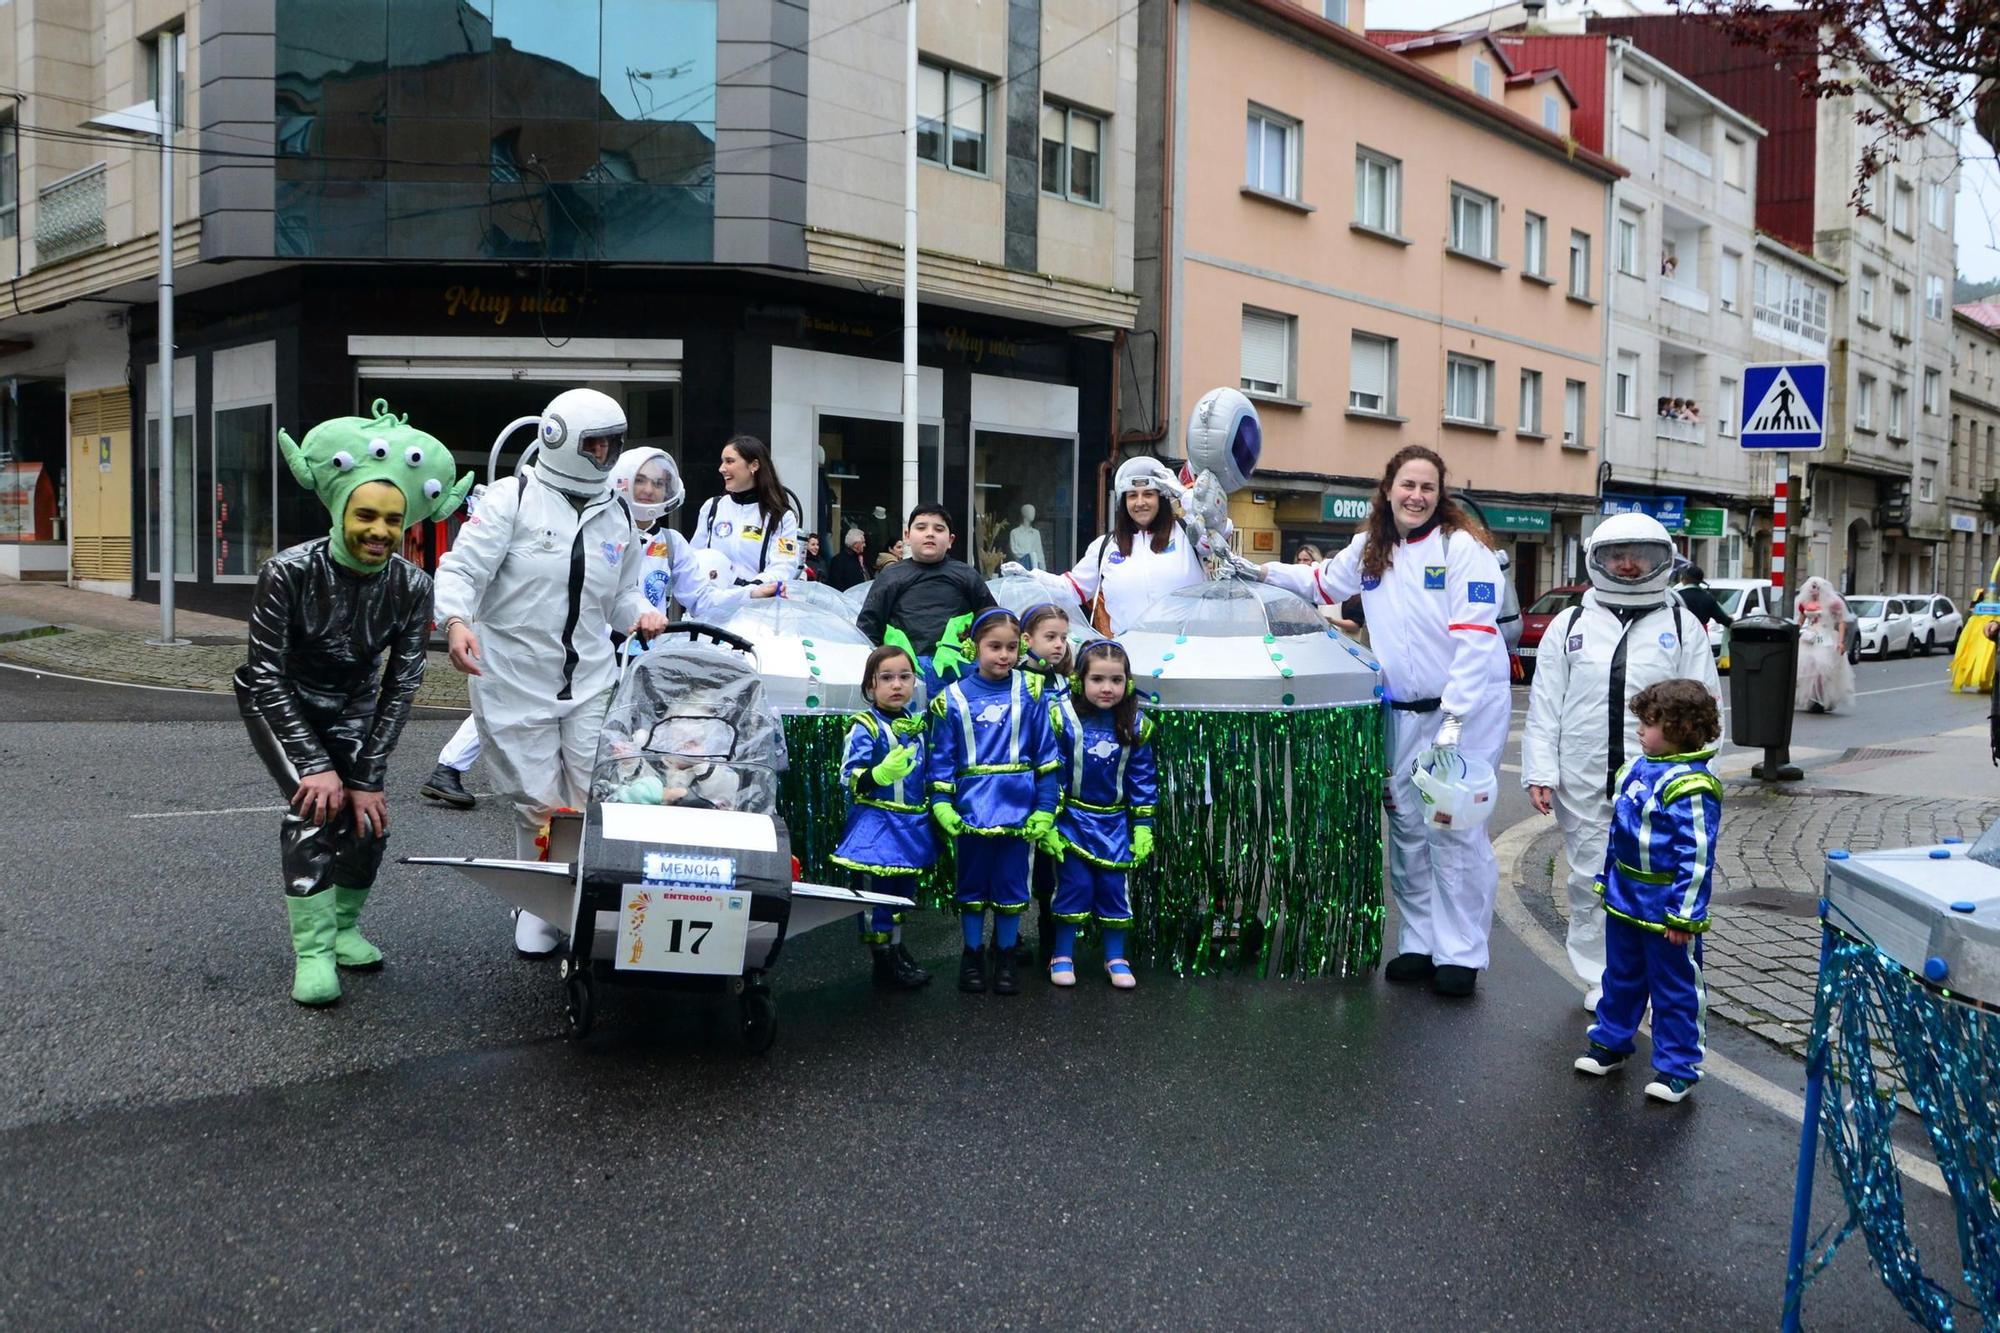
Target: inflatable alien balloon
{"points": [[1224, 441]]}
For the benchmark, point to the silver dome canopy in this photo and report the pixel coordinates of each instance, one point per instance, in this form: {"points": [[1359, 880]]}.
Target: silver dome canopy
{"points": [[1234, 645]]}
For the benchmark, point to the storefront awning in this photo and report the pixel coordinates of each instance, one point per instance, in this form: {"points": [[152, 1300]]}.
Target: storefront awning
{"points": [[380, 356]]}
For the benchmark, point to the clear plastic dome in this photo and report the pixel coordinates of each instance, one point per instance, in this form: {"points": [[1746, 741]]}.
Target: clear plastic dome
{"points": [[1018, 592], [769, 618], [825, 598], [1230, 608]]}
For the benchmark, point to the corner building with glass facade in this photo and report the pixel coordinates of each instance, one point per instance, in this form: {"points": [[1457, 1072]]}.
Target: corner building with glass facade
{"points": [[466, 206]]}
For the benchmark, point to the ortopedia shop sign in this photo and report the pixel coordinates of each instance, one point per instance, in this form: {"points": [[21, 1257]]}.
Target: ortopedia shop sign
{"points": [[1344, 507]]}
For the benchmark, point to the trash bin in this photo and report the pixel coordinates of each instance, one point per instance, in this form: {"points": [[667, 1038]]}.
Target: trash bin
{"points": [[1763, 672]]}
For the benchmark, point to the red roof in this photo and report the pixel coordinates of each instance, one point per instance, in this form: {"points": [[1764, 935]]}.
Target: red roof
{"points": [[1985, 312]]}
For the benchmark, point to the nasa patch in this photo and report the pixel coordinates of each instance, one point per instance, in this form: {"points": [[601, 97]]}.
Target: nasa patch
{"points": [[1370, 582], [1115, 557], [1434, 578], [1668, 641], [1479, 592], [656, 588]]}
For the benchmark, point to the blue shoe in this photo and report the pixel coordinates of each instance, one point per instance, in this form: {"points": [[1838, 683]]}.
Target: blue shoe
{"points": [[1669, 1089], [1600, 1060]]}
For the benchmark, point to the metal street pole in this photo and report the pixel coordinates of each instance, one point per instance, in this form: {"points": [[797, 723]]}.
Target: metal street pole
{"points": [[168, 54], [910, 450]]}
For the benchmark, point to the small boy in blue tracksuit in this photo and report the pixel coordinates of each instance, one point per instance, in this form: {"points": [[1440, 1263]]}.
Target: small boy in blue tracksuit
{"points": [[888, 840], [993, 791], [1657, 873], [1110, 786]]}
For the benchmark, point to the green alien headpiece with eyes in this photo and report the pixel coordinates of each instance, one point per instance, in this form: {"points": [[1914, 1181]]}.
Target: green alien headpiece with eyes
{"points": [[345, 453]]}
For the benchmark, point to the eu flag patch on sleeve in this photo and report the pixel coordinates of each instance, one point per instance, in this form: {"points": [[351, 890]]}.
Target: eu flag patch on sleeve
{"points": [[1433, 577], [1478, 592]]}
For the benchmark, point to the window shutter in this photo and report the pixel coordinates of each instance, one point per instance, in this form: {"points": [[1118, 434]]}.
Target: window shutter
{"points": [[1265, 358]]}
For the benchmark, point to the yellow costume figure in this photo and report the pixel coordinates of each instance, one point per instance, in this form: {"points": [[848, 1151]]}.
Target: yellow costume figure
{"points": [[1972, 662]]}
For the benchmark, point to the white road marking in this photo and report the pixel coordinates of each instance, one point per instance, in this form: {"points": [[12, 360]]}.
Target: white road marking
{"points": [[1511, 850], [226, 810]]}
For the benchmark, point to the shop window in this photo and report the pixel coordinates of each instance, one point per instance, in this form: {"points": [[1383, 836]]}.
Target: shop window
{"points": [[1011, 470], [861, 482], [184, 471], [242, 461]]}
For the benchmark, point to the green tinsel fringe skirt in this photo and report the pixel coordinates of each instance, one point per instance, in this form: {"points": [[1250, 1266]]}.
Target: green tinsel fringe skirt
{"points": [[1269, 838]]}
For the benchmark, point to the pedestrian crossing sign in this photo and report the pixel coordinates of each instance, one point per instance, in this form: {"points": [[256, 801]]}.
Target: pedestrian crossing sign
{"points": [[1784, 406]]}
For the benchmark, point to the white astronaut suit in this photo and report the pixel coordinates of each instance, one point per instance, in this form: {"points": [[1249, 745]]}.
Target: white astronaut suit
{"points": [[668, 566], [541, 574], [1130, 583], [1628, 633], [1433, 620]]}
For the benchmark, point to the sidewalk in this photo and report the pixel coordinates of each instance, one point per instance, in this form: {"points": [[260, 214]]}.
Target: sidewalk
{"points": [[104, 638], [1762, 950]]}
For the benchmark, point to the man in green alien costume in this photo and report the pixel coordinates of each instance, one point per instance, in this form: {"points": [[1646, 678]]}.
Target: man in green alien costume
{"points": [[322, 709]]}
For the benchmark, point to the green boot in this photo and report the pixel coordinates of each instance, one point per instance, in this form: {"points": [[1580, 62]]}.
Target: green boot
{"points": [[316, 981], [350, 947]]}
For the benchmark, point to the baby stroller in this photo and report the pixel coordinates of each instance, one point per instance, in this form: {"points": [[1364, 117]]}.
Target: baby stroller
{"points": [[682, 872]]}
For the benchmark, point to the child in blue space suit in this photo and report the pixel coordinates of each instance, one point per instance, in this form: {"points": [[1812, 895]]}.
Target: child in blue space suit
{"points": [[1110, 785], [1657, 873], [888, 835], [993, 791], [1045, 660]]}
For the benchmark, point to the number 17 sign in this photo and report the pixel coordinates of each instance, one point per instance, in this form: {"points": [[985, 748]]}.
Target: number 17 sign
{"points": [[676, 928]]}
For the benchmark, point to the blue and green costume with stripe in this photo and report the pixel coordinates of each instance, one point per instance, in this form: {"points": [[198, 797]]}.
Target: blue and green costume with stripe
{"points": [[993, 760], [889, 831], [1109, 789]]}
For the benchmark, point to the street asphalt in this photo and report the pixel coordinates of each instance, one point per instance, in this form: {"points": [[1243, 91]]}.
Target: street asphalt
{"points": [[181, 1146]]}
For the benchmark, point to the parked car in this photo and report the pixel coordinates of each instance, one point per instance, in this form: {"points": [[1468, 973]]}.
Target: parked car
{"points": [[1535, 621], [1885, 625], [1934, 621], [1739, 598]]}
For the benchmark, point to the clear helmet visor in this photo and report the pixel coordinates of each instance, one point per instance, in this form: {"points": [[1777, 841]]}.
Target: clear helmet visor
{"points": [[1631, 563], [600, 449]]}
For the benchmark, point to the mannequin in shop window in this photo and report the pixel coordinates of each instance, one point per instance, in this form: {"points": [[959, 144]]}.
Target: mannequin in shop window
{"points": [[1024, 543]]}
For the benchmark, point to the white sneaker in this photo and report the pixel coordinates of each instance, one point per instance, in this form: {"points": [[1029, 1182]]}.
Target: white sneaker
{"points": [[534, 937], [1591, 997], [1669, 1089]]}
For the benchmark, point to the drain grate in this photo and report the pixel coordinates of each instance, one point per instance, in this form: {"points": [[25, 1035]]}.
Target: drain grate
{"points": [[1871, 752]]}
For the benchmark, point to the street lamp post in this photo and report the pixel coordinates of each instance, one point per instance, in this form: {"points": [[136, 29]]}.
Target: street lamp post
{"points": [[154, 120]]}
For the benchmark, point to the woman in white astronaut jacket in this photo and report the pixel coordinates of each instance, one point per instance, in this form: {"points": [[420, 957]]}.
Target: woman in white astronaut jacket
{"points": [[1430, 587], [1630, 631], [528, 595]]}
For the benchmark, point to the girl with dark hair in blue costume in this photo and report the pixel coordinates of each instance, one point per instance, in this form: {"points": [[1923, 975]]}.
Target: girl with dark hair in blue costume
{"points": [[1110, 786], [888, 834], [1045, 660], [993, 790]]}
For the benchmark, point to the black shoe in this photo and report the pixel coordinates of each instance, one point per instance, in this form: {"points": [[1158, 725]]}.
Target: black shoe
{"points": [[443, 785], [909, 973], [1005, 981], [972, 970], [1410, 967], [1457, 982]]}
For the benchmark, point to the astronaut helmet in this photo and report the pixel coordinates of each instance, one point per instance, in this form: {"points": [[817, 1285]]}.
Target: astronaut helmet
{"points": [[1143, 473], [658, 465], [1630, 558], [583, 432]]}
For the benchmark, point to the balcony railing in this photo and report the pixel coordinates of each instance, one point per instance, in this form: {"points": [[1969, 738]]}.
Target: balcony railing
{"points": [[1685, 153], [1680, 432], [1683, 293], [70, 215]]}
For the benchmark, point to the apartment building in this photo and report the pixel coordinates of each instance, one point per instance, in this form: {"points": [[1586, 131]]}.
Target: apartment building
{"points": [[463, 208], [1680, 293], [1972, 484], [1384, 238], [1876, 515]]}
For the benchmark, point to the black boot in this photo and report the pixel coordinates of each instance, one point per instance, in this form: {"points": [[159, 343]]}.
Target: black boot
{"points": [[972, 970], [893, 972], [443, 785], [910, 973], [1005, 982], [1456, 982], [1410, 967]]}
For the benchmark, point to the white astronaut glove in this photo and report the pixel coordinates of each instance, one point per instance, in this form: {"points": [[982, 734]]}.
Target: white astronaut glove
{"points": [[1447, 737], [1240, 566], [1012, 567]]}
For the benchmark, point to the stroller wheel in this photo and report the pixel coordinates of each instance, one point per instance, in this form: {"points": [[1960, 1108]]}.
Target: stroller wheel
{"points": [[758, 1020], [580, 1002]]}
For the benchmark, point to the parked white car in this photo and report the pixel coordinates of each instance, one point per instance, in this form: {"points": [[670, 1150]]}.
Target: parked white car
{"points": [[1885, 624], [1934, 621]]}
